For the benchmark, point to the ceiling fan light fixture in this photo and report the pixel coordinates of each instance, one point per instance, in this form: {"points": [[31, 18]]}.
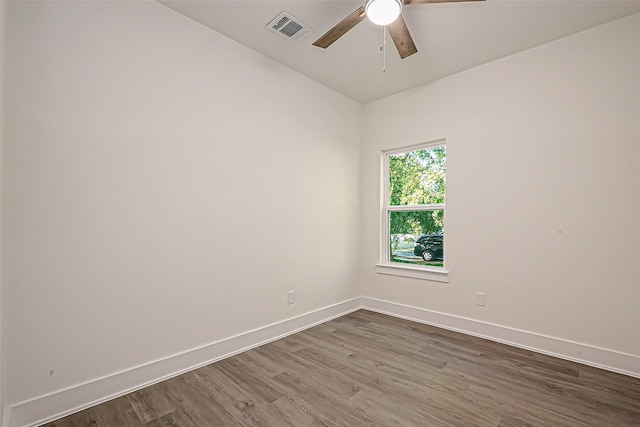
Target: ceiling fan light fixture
{"points": [[383, 12]]}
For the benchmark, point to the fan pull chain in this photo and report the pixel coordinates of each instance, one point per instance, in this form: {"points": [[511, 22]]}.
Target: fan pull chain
{"points": [[383, 48]]}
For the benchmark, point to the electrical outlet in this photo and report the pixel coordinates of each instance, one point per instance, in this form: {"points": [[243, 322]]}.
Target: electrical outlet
{"points": [[481, 299], [291, 297]]}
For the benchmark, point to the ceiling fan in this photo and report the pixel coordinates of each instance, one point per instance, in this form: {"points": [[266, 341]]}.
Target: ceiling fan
{"points": [[381, 12]]}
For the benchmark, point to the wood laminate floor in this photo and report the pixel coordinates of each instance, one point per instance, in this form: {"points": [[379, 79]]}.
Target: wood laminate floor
{"points": [[367, 369]]}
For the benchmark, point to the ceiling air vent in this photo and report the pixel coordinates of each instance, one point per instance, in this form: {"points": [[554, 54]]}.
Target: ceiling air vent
{"points": [[289, 27]]}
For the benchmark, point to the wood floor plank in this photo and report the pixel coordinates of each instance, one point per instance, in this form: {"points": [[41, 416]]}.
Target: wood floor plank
{"points": [[248, 401], [117, 412], [298, 413], [193, 399], [173, 419], [368, 369], [149, 404]]}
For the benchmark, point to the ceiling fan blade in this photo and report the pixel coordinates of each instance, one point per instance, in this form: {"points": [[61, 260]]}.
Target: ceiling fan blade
{"points": [[402, 38], [409, 2], [341, 29]]}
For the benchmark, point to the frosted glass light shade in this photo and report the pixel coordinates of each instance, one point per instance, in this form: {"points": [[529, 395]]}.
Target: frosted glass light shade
{"points": [[383, 12]]}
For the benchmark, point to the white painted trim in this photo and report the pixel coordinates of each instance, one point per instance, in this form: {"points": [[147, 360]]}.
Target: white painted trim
{"points": [[60, 403], [611, 360], [432, 143], [386, 208], [416, 272], [402, 208]]}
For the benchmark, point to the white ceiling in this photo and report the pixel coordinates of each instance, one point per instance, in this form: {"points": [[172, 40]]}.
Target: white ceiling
{"points": [[450, 37]]}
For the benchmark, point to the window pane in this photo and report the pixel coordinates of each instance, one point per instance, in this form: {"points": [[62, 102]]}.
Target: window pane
{"points": [[417, 237], [417, 177]]}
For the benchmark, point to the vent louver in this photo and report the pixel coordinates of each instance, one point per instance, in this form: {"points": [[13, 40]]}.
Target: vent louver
{"points": [[289, 27]]}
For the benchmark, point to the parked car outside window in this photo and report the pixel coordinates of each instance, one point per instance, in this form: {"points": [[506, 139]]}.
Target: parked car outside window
{"points": [[430, 247]]}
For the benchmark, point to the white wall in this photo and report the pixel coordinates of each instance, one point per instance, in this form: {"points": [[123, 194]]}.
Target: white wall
{"points": [[165, 188], [3, 7], [542, 200]]}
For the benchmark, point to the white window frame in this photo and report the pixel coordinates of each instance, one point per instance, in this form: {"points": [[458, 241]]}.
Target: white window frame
{"points": [[386, 266]]}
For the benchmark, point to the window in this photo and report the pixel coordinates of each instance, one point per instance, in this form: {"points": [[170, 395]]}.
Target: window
{"points": [[414, 189]]}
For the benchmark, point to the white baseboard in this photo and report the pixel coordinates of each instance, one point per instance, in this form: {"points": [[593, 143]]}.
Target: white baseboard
{"points": [[623, 363], [64, 402]]}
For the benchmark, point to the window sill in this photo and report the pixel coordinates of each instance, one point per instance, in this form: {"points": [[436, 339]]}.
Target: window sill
{"points": [[438, 275]]}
